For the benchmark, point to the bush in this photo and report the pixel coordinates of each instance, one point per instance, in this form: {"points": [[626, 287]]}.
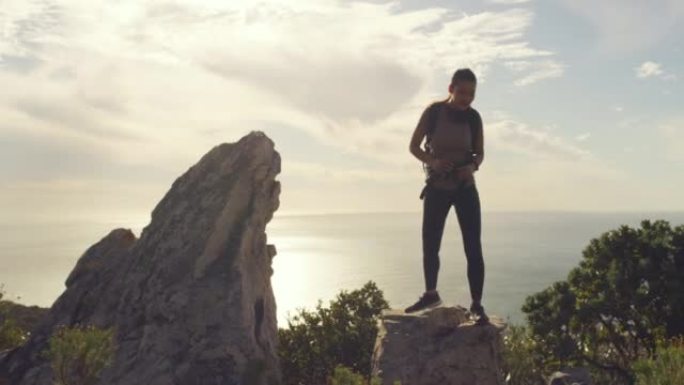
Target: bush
{"points": [[342, 334], [345, 376], [626, 293], [665, 367], [523, 358], [79, 353], [11, 335]]}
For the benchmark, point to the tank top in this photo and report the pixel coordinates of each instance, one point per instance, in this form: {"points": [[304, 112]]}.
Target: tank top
{"points": [[451, 139]]}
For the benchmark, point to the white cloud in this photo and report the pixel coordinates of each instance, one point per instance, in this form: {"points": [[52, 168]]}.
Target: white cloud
{"points": [[538, 70], [649, 69], [506, 133], [153, 69], [583, 136], [159, 84]]}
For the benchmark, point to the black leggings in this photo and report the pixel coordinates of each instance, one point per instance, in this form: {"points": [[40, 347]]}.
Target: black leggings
{"points": [[436, 206]]}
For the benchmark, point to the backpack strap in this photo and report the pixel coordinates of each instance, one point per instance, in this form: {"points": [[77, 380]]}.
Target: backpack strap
{"points": [[433, 110]]}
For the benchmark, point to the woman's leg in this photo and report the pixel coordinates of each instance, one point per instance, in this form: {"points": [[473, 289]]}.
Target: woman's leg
{"points": [[467, 205], [436, 205]]}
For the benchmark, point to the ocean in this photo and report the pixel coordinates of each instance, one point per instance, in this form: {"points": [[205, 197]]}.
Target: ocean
{"points": [[320, 255]]}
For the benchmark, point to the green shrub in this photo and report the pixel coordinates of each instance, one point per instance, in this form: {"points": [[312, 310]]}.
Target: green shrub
{"points": [[665, 367], [78, 354], [344, 333], [343, 375], [523, 357], [11, 335]]}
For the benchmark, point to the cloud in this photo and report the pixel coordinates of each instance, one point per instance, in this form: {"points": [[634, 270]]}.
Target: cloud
{"points": [[28, 27], [75, 118], [170, 69], [506, 133], [151, 86], [538, 70], [649, 69]]}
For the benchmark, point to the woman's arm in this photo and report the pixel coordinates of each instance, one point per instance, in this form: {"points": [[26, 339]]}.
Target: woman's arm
{"points": [[478, 148], [478, 141], [417, 138]]}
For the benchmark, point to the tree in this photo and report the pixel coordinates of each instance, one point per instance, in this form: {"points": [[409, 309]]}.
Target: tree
{"points": [[315, 342], [627, 292]]}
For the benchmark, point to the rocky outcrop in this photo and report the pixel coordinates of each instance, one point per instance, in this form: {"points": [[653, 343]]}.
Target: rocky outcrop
{"points": [[440, 346], [25, 317], [191, 299]]}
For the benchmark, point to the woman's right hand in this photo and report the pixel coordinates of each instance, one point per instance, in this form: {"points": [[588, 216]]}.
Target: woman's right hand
{"points": [[441, 165]]}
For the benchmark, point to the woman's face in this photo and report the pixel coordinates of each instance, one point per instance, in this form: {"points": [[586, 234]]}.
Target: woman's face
{"points": [[463, 92]]}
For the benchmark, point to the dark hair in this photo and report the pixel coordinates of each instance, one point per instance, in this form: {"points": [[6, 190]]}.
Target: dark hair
{"points": [[463, 74]]}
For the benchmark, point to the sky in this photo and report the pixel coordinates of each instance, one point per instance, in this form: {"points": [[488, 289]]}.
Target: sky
{"points": [[104, 104]]}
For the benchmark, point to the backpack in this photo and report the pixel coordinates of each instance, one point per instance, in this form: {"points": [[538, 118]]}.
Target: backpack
{"points": [[433, 111]]}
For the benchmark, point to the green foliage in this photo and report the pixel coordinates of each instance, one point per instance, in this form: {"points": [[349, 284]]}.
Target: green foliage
{"points": [[343, 375], [627, 292], [79, 353], [665, 367], [11, 335], [315, 342], [523, 357]]}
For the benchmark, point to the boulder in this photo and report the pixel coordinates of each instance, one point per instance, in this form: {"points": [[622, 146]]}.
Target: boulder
{"points": [[439, 346]]}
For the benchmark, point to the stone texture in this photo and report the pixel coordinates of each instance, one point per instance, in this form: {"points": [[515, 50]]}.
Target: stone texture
{"points": [[191, 299], [440, 346]]}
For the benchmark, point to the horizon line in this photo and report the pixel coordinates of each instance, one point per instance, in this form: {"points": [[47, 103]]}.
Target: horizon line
{"points": [[318, 213]]}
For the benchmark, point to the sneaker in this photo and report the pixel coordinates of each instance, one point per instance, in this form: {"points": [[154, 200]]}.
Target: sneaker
{"points": [[426, 301], [481, 317]]}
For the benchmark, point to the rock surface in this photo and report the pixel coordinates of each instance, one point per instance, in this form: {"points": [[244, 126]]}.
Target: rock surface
{"points": [[191, 299], [440, 346]]}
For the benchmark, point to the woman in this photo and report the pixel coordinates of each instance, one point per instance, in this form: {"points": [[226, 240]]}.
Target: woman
{"points": [[455, 150]]}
